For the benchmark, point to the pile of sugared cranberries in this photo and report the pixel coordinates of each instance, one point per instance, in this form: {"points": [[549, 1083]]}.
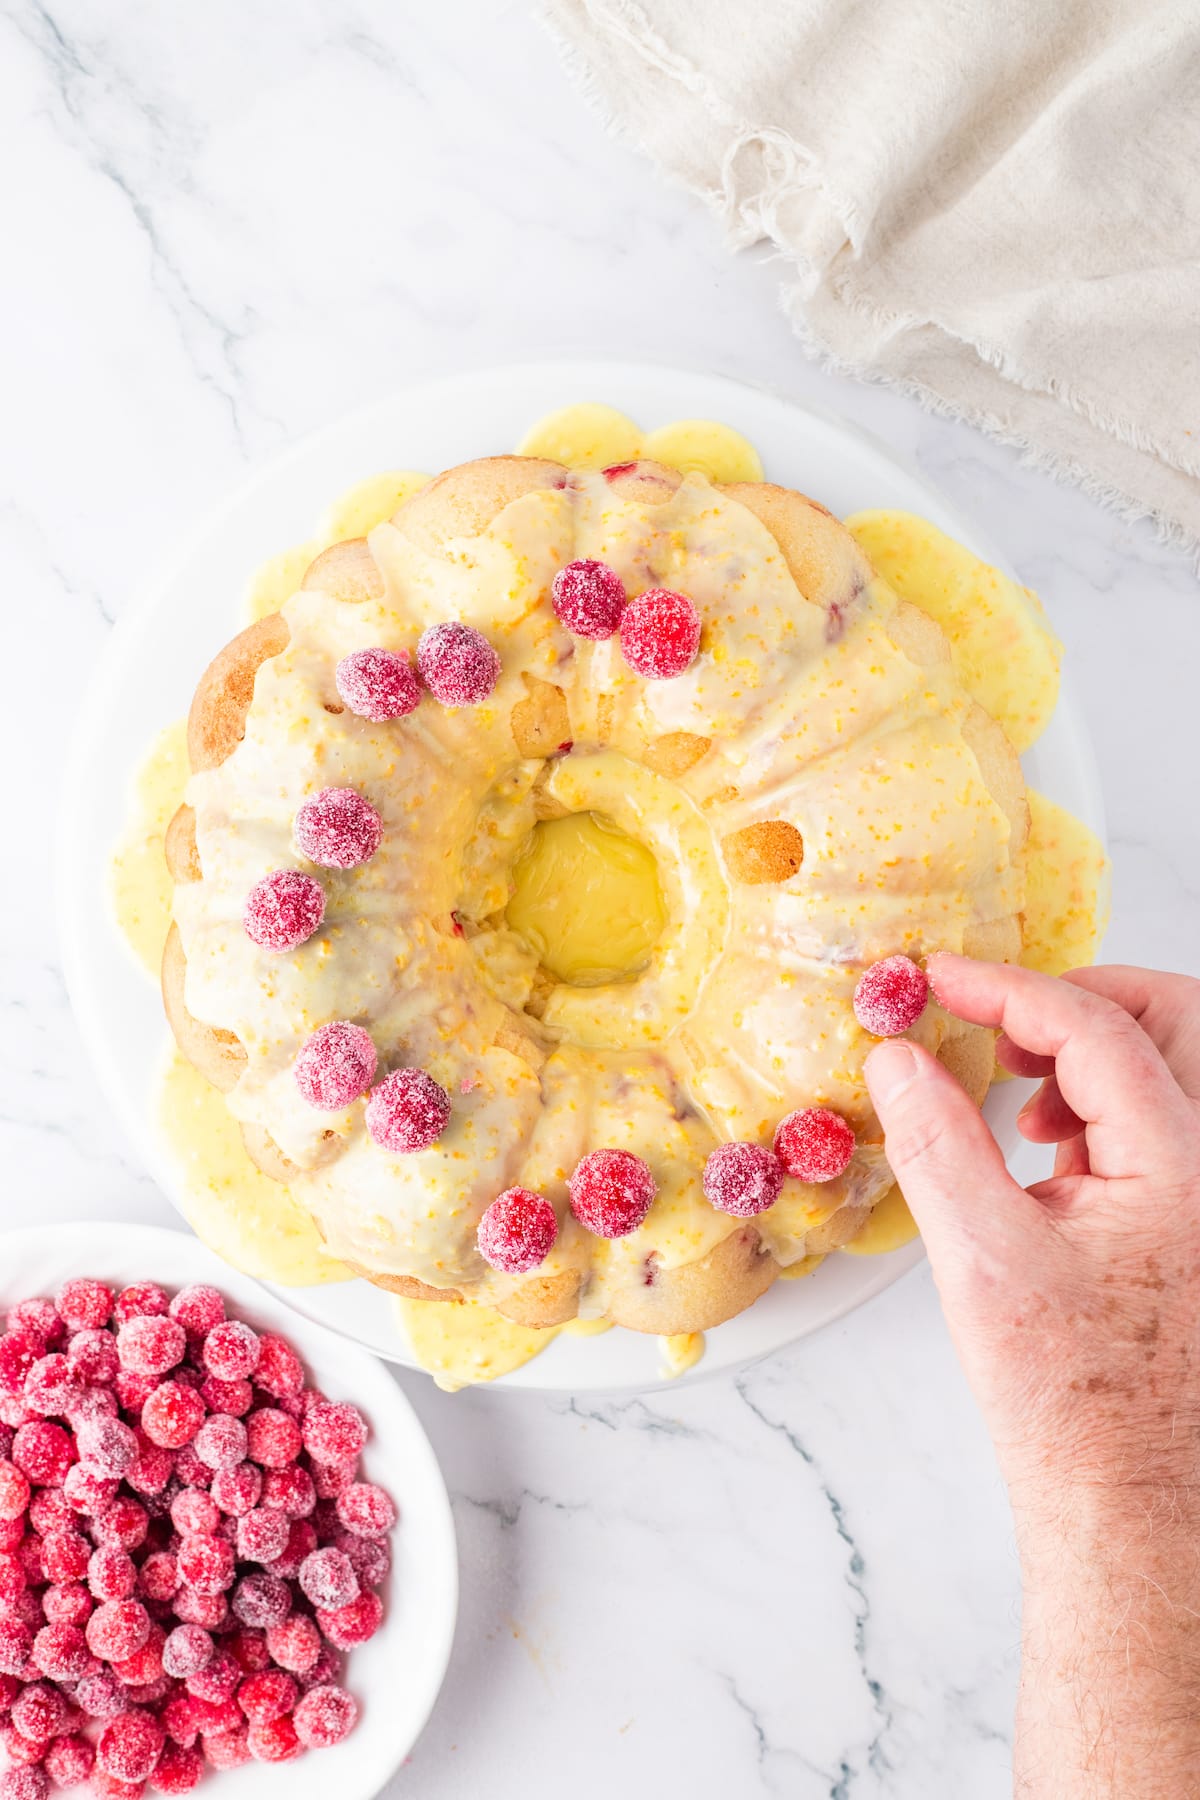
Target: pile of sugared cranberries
{"points": [[186, 1549]]}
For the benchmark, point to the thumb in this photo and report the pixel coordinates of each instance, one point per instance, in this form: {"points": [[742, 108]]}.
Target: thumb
{"points": [[970, 1211]]}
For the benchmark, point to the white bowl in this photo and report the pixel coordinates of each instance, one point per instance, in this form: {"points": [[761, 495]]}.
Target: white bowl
{"points": [[159, 649], [396, 1676]]}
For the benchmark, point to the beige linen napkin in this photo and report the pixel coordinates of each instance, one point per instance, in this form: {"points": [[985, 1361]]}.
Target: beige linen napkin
{"points": [[993, 204]]}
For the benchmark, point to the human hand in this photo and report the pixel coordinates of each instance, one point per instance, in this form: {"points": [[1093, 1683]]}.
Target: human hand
{"points": [[1075, 1308]]}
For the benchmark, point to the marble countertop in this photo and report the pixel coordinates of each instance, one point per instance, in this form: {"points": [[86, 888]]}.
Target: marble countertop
{"points": [[223, 226]]}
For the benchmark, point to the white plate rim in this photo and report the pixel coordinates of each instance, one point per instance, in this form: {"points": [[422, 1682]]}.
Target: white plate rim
{"points": [[713, 395]]}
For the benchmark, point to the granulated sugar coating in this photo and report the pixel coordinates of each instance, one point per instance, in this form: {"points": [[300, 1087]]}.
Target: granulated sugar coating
{"points": [[814, 1144], [891, 996], [377, 684], [335, 1065], [338, 829], [457, 664], [283, 910], [742, 1179], [407, 1112]]}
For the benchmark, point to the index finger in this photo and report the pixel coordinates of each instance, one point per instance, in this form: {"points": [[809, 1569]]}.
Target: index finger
{"points": [[1137, 1119]]}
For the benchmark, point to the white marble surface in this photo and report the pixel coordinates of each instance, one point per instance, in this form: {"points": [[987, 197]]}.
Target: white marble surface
{"points": [[224, 225]]}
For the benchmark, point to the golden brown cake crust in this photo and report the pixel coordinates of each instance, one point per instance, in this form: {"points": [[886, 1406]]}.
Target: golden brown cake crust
{"points": [[830, 570], [217, 720]]}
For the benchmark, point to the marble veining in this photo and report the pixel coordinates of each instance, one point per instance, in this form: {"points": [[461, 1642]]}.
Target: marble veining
{"points": [[226, 225]]}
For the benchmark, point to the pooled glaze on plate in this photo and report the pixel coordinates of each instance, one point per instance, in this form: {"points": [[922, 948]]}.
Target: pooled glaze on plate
{"points": [[724, 470]]}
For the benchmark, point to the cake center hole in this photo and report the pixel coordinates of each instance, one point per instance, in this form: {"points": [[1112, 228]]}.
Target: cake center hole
{"points": [[586, 899]]}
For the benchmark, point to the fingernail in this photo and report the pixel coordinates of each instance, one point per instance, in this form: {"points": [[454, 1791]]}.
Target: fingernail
{"points": [[891, 1068], [932, 967]]}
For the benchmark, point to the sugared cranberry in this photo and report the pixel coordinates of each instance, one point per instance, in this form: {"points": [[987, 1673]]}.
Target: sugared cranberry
{"points": [[283, 910], [61, 1652], [325, 1670], [67, 1603], [407, 1112], [50, 1511], [51, 1387], [334, 1432], [280, 1371], [151, 1346], [221, 1442], [190, 1472], [158, 1577], [209, 1610], [217, 1680], [238, 1489], [101, 1696], [172, 1415], [262, 1600], [370, 1557], [112, 1573], [366, 1510], [353, 1624], [274, 1743], [194, 1513], [107, 1445], [338, 829], [814, 1144], [65, 1556], [324, 1717], [742, 1179], [332, 1479], [335, 1065], [24, 1783], [69, 1760], [92, 1356], [83, 1304], [117, 1630], [40, 1712], [377, 684], [206, 1564], [660, 634], [14, 1492], [231, 1351], [327, 1578], [177, 1771], [187, 1650], [38, 1320], [891, 996], [457, 664], [302, 1541], [43, 1451], [125, 1523], [130, 1745], [198, 1308], [272, 1439], [133, 1390], [267, 1696], [517, 1231], [17, 1356], [141, 1300], [290, 1490], [227, 1749], [295, 1645], [88, 1492], [589, 598], [235, 1397], [611, 1192], [262, 1535]]}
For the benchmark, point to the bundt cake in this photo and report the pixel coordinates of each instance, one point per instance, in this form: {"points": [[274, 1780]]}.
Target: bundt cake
{"points": [[745, 723]]}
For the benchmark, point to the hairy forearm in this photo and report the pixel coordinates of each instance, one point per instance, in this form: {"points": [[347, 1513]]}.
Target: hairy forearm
{"points": [[1109, 1705]]}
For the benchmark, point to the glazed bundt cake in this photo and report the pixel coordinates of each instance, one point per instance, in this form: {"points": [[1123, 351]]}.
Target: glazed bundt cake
{"points": [[781, 750]]}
